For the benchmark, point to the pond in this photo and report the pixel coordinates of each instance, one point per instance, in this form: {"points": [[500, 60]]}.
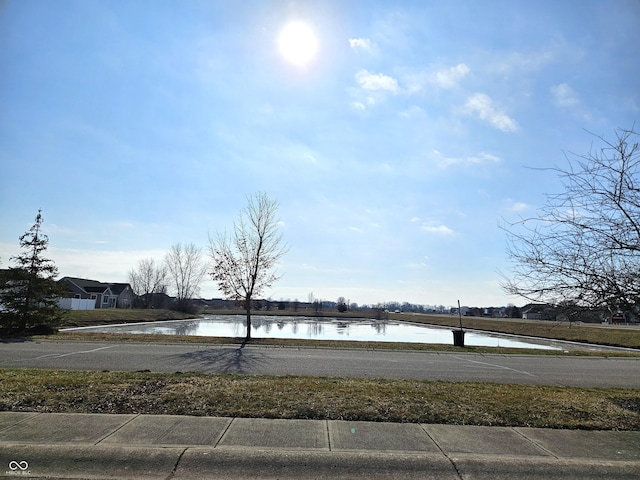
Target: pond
{"points": [[320, 328]]}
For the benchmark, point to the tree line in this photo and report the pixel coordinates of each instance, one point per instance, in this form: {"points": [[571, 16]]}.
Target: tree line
{"points": [[242, 262], [579, 252]]}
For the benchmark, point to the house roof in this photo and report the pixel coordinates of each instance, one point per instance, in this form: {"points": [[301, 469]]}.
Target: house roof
{"points": [[118, 288], [94, 286], [534, 308]]}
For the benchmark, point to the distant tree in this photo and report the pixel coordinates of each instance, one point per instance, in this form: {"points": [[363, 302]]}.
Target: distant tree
{"points": [[342, 305], [513, 312], [382, 313], [583, 247], [243, 262], [186, 271], [148, 280], [28, 292]]}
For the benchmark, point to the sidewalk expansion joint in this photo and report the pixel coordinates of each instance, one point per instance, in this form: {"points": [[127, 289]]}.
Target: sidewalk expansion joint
{"points": [[225, 432], [35, 414], [117, 429], [326, 424], [451, 461], [546, 450]]}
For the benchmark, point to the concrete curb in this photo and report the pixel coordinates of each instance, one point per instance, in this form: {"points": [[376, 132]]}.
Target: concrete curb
{"points": [[34, 445]]}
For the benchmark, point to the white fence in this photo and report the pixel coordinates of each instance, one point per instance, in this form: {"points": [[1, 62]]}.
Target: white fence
{"points": [[77, 303]]}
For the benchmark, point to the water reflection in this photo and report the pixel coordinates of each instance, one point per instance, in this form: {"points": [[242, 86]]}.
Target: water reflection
{"points": [[324, 328]]}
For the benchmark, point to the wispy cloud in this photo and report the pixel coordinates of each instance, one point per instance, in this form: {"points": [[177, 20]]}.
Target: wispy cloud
{"points": [[525, 61], [564, 96], [412, 112], [378, 85], [481, 106], [60, 230], [376, 81], [518, 207], [418, 265], [481, 158], [446, 78], [362, 44], [512, 206], [105, 265], [438, 230], [450, 77], [358, 106]]}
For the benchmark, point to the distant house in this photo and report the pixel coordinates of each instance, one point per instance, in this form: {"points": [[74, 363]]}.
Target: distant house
{"points": [[93, 294], [123, 293], [539, 311]]}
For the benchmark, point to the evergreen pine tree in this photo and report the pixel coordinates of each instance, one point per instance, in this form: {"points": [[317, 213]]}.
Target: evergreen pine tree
{"points": [[28, 292]]}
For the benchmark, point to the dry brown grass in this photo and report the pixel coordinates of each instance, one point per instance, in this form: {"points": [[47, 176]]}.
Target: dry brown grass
{"points": [[320, 398]]}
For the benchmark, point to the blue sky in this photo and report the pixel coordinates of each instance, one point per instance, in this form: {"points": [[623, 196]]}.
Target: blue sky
{"points": [[395, 152]]}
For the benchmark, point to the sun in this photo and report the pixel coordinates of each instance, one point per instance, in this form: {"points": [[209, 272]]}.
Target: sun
{"points": [[298, 44]]}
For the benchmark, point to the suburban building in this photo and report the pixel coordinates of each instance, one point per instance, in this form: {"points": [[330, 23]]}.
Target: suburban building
{"points": [[90, 294]]}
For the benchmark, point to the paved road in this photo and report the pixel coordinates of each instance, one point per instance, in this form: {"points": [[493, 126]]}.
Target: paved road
{"points": [[523, 369]]}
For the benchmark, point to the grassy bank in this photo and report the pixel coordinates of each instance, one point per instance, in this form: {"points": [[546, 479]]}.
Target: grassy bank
{"points": [[577, 332], [109, 316], [319, 398]]}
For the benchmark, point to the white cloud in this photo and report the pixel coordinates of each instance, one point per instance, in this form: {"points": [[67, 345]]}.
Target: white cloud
{"points": [[359, 106], [518, 207], [364, 44], [412, 112], [376, 81], [446, 78], [481, 158], [438, 230], [564, 96], [450, 77], [102, 265], [380, 84], [418, 265], [524, 62], [481, 106]]}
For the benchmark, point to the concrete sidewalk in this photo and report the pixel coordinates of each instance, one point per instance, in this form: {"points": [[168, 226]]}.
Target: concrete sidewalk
{"points": [[39, 445]]}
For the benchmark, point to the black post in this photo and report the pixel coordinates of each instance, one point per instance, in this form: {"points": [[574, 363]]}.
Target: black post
{"points": [[458, 335]]}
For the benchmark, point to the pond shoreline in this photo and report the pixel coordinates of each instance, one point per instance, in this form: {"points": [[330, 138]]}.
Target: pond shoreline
{"points": [[330, 328]]}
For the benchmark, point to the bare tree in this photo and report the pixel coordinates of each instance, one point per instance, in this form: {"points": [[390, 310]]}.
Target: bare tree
{"points": [[583, 247], [243, 262], [148, 280], [186, 271]]}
